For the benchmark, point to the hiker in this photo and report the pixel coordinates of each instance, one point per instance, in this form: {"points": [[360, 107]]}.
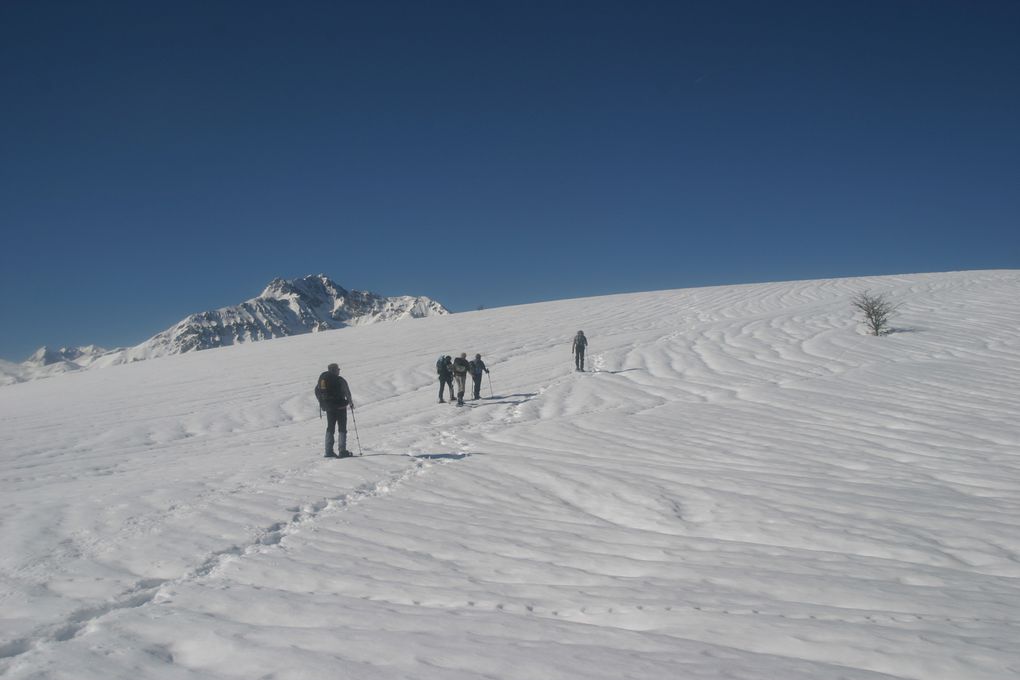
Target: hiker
{"points": [[334, 397], [580, 344], [460, 371], [477, 366], [444, 368]]}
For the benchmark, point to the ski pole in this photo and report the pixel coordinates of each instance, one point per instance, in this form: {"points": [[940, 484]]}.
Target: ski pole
{"points": [[490, 384], [355, 420]]}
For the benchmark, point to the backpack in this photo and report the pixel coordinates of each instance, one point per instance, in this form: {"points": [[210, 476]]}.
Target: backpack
{"points": [[440, 364], [321, 394]]}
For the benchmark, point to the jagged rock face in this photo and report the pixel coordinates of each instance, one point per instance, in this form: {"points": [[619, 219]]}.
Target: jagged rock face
{"points": [[309, 304], [44, 356], [285, 307]]}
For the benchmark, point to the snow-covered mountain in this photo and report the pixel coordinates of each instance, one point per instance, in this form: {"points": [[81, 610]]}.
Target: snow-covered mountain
{"points": [[744, 485], [46, 362], [45, 356], [11, 372], [284, 308]]}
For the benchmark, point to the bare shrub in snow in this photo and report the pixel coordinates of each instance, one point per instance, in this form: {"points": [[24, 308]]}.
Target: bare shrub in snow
{"points": [[876, 310]]}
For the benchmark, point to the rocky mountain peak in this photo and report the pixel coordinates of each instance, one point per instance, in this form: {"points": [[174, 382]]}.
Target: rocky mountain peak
{"points": [[285, 307]]}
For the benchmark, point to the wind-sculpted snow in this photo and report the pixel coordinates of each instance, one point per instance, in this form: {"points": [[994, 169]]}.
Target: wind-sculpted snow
{"points": [[744, 486]]}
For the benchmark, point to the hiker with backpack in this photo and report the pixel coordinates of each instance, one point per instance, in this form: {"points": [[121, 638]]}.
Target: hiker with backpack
{"points": [[444, 369], [334, 395], [476, 367], [460, 371], [580, 344]]}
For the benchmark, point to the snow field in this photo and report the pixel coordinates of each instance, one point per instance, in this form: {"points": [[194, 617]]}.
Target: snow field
{"points": [[746, 487]]}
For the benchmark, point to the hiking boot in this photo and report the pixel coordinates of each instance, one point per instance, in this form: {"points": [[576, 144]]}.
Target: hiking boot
{"points": [[330, 454], [345, 454]]}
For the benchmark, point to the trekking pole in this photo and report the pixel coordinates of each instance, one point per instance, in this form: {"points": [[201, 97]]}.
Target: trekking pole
{"points": [[490, 384], [355, 420]]}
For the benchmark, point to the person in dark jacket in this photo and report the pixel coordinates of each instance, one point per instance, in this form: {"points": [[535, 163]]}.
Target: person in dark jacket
{"points": [[334, 398], [477, 367], [444, 367], [578, 348], [460, 371]]}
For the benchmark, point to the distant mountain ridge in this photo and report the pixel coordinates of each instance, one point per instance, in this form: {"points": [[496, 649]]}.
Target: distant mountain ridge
{"points": [[44, 356], [286, 307]]}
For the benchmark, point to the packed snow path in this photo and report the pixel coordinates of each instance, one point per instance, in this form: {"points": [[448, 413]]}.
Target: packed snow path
{"points": [[745, 486]]}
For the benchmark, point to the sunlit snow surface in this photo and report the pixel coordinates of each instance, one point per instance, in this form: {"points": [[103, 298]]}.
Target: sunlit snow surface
{"points": [[746, 486]]}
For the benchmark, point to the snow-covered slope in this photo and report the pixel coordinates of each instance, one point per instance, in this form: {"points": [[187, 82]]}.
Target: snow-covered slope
{"points": [[285, 308], [747, 486]]}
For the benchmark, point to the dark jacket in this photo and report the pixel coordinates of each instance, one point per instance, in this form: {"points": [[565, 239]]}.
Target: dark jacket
{"points": [[445, 370], [476, 366], [580, 343], [333, 391]]}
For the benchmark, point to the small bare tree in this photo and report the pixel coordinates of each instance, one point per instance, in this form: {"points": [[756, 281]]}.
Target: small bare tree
{"points": [[876, 310]]}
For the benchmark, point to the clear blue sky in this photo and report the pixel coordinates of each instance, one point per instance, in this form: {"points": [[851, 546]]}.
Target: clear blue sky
{"points": [[159, 159]]}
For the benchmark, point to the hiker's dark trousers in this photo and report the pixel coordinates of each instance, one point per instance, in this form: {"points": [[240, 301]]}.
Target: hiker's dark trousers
{"points": [[335, 416], [579, 359], [476, 381], [444, 382]]}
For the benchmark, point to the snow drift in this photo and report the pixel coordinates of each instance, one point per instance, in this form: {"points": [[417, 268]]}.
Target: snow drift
{"points": [[745, 486]]}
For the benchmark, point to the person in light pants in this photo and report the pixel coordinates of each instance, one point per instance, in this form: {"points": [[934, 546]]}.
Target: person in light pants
{"points": [[460, 371]]}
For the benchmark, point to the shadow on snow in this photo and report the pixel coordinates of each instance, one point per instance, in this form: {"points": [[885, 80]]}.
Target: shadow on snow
{"points": [[440, 456], [507, 399], [425, 456]]}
